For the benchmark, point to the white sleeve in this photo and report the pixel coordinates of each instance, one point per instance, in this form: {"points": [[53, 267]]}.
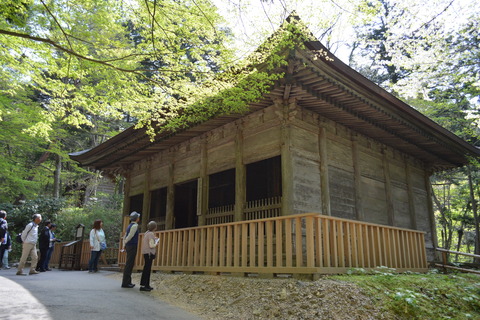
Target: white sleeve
{"points": [[92, 238]]}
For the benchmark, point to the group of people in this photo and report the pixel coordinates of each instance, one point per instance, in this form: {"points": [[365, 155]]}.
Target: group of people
{"points": [[29, 238], [5, 240], [130, 245], [46, 238], [148, 249]]}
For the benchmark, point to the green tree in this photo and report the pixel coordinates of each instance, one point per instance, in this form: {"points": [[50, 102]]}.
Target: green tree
{"points": [[84, 70]]}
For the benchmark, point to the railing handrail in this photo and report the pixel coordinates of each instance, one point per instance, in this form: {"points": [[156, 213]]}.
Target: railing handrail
{"points": [[302, 215], [71, 243], [457, 252]]}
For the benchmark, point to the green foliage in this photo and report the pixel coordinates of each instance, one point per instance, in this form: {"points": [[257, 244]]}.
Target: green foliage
{"points": [[233, 91], [423, 296], [77, 72], [22, 214], [111, 215], [108, 209]]}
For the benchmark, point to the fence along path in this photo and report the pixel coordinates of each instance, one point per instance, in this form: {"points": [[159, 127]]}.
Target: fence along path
{"points": [[296, 244]]}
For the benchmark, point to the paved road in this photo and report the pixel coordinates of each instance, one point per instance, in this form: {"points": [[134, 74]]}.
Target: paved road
{"points": [[78, 295]]}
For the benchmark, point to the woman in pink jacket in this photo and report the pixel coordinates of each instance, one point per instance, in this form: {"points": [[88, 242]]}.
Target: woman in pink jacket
{"points": [[149, 248]]}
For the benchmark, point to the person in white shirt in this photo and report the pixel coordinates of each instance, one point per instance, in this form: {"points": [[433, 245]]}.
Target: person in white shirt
{"points": [[97, 236], [29, 245]]}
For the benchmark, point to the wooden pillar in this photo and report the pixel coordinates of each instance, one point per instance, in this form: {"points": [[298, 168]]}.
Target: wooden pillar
{"points": [[388, 188], [411, 194], [324, 184], [146, 198], [126, 199], [170, 194], [202, 195], [289, 111], [240, 175], [431, 212], [357, 176], [126, 194]]}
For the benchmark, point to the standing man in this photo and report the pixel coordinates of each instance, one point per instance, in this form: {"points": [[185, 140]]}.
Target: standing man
{"points": [[29, 245], [3, 234], [130, 244], [51, 247], [44, 244], [8, 248]]}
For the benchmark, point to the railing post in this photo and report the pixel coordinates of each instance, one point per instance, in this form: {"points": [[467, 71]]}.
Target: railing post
{"points": [[445, 261]]}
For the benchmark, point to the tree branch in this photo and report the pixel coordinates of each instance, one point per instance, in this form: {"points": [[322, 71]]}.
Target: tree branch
{"points": [[103, 62]]}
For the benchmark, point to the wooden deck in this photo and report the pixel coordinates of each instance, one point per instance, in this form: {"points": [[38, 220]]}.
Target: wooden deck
{"points": [[296, 244]]}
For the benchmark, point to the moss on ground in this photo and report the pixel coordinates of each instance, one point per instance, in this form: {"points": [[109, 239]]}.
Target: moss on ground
{"points": [[422, 296]]}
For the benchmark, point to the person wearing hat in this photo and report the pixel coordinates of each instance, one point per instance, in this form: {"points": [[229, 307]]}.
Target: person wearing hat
{"points": [[130, 244]]}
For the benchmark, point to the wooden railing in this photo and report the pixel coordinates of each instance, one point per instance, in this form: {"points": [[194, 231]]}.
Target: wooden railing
{"points": [[446, 266], [263, 208], [108, 256], [218, 215], [296, 244], [256, 209]]}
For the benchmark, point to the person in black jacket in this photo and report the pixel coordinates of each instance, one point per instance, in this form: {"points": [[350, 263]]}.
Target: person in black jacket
{"points": [[130, 244], [44, 244], [3, 234], [8, 247], [51, 247]]}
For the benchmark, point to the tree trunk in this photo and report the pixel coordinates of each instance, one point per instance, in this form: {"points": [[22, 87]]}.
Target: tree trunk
{"points": [[447, 229], [459, 243], [475, 212], [56, 176]]}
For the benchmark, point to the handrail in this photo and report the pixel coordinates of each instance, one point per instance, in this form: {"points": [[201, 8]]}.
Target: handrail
{"points": [[71, 243], [458, 252]]}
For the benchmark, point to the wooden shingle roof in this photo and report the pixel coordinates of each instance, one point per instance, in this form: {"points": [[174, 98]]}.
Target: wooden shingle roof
{"points": [[325, 86]]}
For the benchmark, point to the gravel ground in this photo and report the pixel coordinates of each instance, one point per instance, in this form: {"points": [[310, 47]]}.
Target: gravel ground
{"points": [[227, 297]]}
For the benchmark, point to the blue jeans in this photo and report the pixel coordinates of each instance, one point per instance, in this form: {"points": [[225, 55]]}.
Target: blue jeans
{"points": [[93, 263], [47, 258], [5, 259]]}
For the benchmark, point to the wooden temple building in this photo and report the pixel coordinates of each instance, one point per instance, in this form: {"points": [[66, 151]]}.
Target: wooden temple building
{"points": [[325, 172]]}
